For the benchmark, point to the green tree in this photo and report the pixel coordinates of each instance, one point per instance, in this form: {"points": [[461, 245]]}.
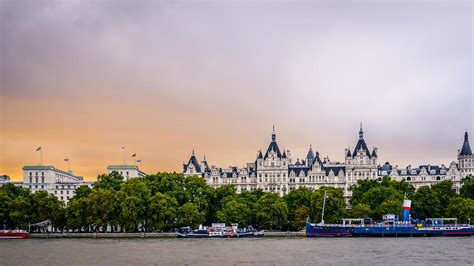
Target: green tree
{"points": [[132, 202], [163, 209], [100, 206], [461, 208], [113, 181], [47, 207], [359, 189], [426, 203], [189, 215], [361, 211], [335, 205], [271, 211], [389, 206], [294, 199], [445, 192], [234, 211], [467, 187], [77, 213], [300, 217]]}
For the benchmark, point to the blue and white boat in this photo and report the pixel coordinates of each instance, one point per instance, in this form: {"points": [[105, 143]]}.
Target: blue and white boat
{"points": [[390, 226]]}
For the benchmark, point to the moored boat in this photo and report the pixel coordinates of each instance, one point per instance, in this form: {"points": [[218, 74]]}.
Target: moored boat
{"points": [[390, 226], [9, 234], [218, 230]]}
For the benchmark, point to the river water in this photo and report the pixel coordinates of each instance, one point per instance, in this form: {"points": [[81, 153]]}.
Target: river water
{"points": [[262, 251]]}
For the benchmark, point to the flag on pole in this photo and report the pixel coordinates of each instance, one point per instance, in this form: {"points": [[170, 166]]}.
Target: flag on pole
{"points": [[139, 161], [134, 155], [66, 160], [123, 148], [38, 149]]}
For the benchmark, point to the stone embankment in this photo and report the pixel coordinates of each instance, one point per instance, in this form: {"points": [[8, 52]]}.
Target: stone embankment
{"points": [[142, 235]]}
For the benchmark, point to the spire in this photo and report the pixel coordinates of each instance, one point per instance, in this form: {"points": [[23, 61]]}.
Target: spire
{"points": [[193, 151], [361, 132], [204, 157], [310, 155], [466, 148], [273, 134]]}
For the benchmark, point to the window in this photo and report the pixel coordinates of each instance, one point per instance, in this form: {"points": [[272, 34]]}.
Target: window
{"points": [[36, 179], [57, 187], [42, 179], [62, 198], [55, 192], [61, 193], [42, 186], [31, 179], [67, 191]]}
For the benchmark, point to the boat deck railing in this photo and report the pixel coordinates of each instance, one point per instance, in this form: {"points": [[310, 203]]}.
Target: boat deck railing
{"points": [[388, 225]]}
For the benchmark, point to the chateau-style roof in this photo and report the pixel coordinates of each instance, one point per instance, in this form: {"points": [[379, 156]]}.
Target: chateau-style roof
{"points": [[361, 144], [259, 156], [335, 169], [466, 149], [273, 146], [194, 162]]}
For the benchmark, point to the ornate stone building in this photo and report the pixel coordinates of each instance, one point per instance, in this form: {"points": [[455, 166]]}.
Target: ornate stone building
{"points": [[275, 171]]}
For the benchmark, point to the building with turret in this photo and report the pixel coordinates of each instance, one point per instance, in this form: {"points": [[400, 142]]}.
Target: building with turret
{"points": [[275, 170], [466, 158]]}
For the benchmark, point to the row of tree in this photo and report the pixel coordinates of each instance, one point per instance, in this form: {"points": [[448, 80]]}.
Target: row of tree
{"points": [[165, 201]]}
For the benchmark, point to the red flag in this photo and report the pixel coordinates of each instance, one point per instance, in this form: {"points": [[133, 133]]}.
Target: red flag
{"points": [[38, 149], [134, 155]]}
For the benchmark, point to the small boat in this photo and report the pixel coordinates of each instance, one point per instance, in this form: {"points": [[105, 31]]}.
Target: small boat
{"points": [[9, 234], [218, 230]]}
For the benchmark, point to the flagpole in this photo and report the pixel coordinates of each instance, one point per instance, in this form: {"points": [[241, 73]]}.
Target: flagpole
{"points": [[123, 151], [41, 156], [68, 165]]}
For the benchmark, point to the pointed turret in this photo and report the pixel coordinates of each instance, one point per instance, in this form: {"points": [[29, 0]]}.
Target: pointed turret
{"points": [[374, 152], [192, 161], [361, 144], [466, 148], [259, 155], [310, 156], [273, 147]]}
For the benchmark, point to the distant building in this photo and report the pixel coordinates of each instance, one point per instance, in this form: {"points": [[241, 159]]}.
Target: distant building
{"points": [[4, 179], [57, 182], [275, 171], [127, 171]]}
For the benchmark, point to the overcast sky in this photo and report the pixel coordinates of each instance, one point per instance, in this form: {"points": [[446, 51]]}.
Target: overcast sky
{"points": [[84, 78]]}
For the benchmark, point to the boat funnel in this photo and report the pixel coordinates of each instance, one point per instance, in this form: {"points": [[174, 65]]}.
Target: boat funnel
{"points": [[406, 210]]}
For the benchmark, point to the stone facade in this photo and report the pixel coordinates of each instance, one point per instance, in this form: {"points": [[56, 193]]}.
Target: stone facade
{"points": [[57, 182], [127, 171], [274, 170]]}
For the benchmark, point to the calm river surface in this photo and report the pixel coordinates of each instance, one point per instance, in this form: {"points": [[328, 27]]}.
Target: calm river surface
{"points": [[264, 251]]}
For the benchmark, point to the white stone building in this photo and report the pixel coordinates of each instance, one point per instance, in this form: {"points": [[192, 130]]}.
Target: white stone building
{"points": [[275, 171], [127, 171], [57, 182]]}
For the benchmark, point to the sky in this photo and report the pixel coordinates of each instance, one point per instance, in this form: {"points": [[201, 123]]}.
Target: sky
{"points": [[81, 79]]}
